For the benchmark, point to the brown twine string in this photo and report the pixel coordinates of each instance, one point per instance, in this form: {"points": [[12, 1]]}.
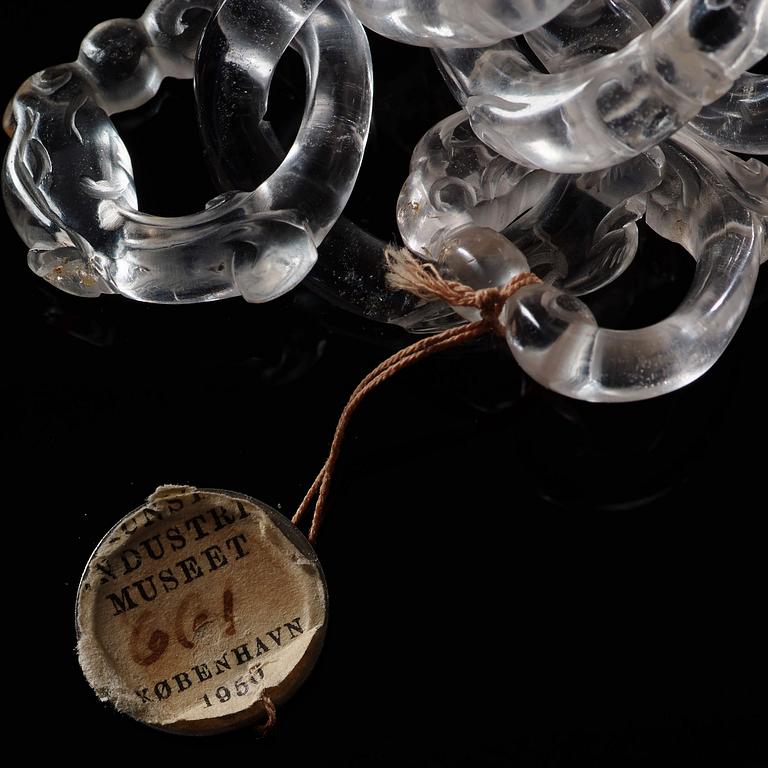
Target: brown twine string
{"points": [[406, 273], [265, 728]]}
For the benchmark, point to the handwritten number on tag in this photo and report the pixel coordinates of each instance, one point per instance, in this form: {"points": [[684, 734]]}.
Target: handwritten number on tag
{"points": [[187, 626]]}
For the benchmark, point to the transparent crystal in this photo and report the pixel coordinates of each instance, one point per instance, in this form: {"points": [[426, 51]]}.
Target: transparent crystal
{"points": [[578, 232], [598, 113], [738, 120], [480, 258], [711, 202], [454, 23], [575, 357], [68, 180], [589, 29]]}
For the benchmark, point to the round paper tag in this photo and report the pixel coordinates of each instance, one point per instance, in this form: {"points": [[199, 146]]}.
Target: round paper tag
{"points": [[198, 605]]}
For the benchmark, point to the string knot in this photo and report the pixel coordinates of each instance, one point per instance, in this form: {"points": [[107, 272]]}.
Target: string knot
{"points": [[490, 302], [422, 279]]}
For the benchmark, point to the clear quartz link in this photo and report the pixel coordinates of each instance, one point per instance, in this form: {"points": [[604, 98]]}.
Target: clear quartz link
{"points": [[601, 112], [242, 150], [480, 258], [564, 44], [455, 23], [461, 196], [68, 180], [589, 29], [577, 232], [556, 342], [738, 120]]}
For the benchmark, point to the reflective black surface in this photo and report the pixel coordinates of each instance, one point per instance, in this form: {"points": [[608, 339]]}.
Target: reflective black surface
{"points": [[515, 578]]}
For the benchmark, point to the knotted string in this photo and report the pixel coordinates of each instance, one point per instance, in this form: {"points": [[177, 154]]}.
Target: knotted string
{"points": [[422, 279]]}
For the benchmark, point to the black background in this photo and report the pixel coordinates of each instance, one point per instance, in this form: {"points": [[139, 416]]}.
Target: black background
{"points": [[515, 578]]}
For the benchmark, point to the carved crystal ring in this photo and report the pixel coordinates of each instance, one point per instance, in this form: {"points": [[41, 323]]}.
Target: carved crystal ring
{"points": [[68, 180], [601, 111], [460, 195]]}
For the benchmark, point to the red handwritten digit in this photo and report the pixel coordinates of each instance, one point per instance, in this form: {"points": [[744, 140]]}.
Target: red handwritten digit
{"points": [[159, 640], [198, 622], [156, 646]]}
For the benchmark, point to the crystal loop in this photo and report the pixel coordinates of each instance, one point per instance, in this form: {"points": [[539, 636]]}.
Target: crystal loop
{"points": [[68, 179]]}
